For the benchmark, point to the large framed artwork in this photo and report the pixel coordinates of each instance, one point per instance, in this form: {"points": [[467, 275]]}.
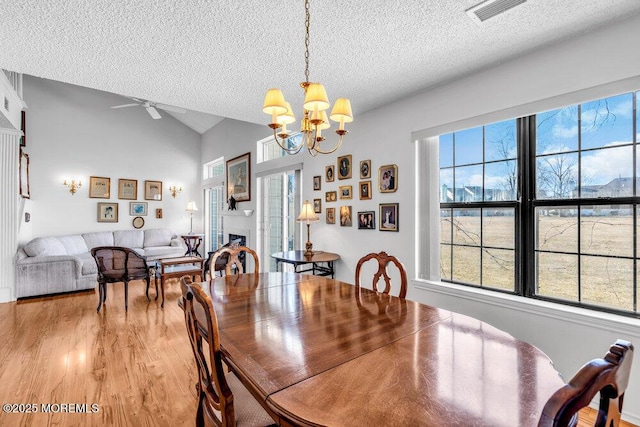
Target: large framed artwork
{"points": [[99, 187], [128, 189], [153, 190], [24, 175], [239, 178], [107, 212]]}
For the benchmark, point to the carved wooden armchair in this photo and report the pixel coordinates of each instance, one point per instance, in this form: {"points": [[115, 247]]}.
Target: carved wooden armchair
{"points": [[608, 376], [119, 264]]}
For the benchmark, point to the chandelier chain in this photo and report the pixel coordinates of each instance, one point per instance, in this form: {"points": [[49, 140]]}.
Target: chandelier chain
{"points": [[306, 40]]}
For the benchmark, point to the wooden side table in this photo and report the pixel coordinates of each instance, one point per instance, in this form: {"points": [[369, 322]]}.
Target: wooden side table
{"points": [[298, 258], [193, 243], [168, 268]]}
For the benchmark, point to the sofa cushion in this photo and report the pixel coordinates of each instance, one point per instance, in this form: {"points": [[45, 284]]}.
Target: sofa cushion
{"points": [[100, 238], [158, 237], [45, 246], [128, 238], [160, 251], [88, 264], [74, 244]]}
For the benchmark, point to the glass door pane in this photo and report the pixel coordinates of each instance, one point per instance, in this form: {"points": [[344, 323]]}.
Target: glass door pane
{"points": [[214, 228], [279, 204]]}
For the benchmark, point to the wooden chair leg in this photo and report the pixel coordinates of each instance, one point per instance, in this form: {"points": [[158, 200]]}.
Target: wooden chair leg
{"points": [[101, 293]]}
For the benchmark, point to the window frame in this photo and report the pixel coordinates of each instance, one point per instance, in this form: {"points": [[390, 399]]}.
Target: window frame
{"points": [[525, 205]]}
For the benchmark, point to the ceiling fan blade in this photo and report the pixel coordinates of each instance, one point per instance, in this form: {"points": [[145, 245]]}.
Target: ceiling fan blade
{"points": [[171, 108], [153, 113], [124, 105]]}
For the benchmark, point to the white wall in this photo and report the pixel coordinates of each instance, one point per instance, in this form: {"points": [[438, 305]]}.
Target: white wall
{"points": [[73, 134]]}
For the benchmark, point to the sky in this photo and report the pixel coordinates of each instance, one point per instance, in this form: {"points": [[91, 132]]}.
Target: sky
{"points": [[606, 127]]}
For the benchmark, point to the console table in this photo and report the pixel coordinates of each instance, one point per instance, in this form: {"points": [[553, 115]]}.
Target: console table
{"points": [[298, 258], [193, 243]]}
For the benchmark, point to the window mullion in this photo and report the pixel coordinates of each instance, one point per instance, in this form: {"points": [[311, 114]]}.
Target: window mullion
{"points": [[526, 242]]}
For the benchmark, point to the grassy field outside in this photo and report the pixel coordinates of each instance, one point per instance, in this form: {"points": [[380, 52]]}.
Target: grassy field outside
{"points": [[590, 261]]}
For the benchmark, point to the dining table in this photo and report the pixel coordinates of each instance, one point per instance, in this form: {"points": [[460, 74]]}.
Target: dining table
{"points": [[316, 351]]}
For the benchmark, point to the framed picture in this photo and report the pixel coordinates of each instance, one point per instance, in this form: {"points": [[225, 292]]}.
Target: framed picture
{"points": [[316, 183], [128, 189], [344, 167], [24, 175], [239, 178], [138, 208], [330, 196], [345, 216], [159, 213], [153, 190], [367, 220], [388, 217], [345, 191], [388, 178], [107, 212], [365, 169], [329, 173], [99, 187], [331, 215], [365, 190], [317, 205]]}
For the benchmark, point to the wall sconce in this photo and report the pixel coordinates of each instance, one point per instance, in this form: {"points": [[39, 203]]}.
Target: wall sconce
{"points": [[73, 186], [174, 191]]}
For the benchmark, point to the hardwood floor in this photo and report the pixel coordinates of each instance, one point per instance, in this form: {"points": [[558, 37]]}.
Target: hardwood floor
{"points": [[137, 367]]}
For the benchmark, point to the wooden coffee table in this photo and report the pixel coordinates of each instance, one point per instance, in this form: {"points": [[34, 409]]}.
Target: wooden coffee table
{"points": [[167, 268]]}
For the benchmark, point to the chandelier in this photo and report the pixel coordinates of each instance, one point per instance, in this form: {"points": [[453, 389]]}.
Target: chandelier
{"points": [[314, 119]]}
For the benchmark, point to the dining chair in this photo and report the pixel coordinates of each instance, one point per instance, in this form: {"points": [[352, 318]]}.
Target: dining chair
{"points": [[383, 260], [608, 376], [233, 252], [222, 398], [119, 264]]}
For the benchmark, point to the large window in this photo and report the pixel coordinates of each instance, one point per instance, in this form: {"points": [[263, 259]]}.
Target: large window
{"points": [[546, 205]]}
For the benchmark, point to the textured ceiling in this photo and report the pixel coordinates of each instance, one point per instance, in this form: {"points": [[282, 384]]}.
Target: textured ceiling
{"points": [[220, 57]]}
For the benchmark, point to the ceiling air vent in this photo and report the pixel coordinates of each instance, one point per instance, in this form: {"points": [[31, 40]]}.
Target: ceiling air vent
{"points": [[490, 8]]}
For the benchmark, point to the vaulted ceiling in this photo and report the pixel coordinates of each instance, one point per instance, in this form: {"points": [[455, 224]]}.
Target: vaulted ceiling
{"points": [[220, 57]]}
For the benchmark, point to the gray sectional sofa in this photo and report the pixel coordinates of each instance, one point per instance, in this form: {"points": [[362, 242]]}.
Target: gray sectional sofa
{"points": [[48, 265]]}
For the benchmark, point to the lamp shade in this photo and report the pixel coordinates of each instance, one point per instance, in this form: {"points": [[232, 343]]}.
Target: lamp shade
{"points": [[288, 117], [325, 121], [307, 213], [274, 102], [316, 98], [342, 111], [191, 207]]}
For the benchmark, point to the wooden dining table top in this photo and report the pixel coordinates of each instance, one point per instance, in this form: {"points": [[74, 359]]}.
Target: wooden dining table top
{"points": [[315, 351]]}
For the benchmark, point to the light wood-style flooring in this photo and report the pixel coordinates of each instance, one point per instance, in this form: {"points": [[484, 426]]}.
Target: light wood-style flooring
{"points": [[137, 366]]}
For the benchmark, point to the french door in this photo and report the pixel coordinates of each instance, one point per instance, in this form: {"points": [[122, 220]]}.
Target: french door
{"points": [[280, 202]]}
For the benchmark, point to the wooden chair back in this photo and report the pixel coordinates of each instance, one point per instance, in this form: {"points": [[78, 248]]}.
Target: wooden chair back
{"points": [[233, 252], [383, 260], [215, 397], [608, 376]]}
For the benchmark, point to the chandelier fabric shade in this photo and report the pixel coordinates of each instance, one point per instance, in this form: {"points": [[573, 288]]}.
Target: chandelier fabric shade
{"points": [[314, 119]]}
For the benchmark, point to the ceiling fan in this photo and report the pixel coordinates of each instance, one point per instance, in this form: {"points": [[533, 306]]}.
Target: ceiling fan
{"points": [[151, 107]]}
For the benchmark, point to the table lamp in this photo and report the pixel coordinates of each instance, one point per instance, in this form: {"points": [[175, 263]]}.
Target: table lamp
{"points": [[191, 208], [309, 216]]}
